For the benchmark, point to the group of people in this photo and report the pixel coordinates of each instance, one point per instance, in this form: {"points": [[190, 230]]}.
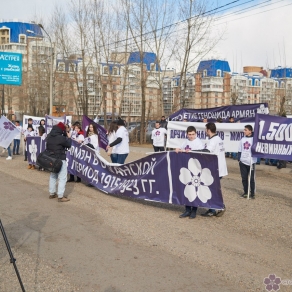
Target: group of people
{"points": [[214, 144], [60, 138]]}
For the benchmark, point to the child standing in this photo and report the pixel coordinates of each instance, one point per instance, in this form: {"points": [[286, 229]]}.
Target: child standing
{"points": [[192, 143], [28, 133]]}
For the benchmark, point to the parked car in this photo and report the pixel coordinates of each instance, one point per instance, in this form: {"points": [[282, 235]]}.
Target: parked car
{"points": [[135, 133]]}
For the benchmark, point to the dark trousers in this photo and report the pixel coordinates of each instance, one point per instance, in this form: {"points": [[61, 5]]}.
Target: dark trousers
{"points": [[244, 171], [158, 148], [190, 209], [72, 178]]}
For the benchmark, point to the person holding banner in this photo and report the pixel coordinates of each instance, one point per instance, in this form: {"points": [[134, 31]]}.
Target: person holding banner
{"points": [[25, 131], [58, 141], [28, 133], [192, 143], [158, 137], [111, 135], [79, 137], [247, 162], [92, 137], [215, 145], [17, 138], [121, 142]]}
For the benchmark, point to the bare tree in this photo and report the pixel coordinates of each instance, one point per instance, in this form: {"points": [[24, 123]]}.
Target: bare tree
{"points": [[194, 42]]}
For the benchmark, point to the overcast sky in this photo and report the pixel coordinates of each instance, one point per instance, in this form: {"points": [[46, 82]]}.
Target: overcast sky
{"points": [[256, 38]]}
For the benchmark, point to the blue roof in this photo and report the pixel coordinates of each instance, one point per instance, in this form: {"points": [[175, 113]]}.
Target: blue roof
{"points": [[148, 58], [212, 66], [17, 28], [281, 73]]}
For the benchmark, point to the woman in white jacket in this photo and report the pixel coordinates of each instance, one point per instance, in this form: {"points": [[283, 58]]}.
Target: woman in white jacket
{"points": [[92, 137]]}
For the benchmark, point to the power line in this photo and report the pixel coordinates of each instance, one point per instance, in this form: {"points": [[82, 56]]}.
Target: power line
{"points": [[208, 13], [179, 22]]}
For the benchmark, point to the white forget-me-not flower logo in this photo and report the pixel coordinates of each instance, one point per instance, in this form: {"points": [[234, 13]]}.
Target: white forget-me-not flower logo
{"points": [[196, 181], [33, 148]]}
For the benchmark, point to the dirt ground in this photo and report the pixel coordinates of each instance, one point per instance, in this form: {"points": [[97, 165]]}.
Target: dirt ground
{"points": [[99, 242]]}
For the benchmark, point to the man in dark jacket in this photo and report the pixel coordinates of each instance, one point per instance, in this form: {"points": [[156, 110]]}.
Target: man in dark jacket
{"points": [[57, 142], [163, 123]]}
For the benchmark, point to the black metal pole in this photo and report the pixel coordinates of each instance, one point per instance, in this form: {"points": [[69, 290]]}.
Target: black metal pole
{"points": [[12, 259]]}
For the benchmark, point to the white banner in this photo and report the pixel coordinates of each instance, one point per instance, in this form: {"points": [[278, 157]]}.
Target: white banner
{"points": [[7, 132], [36, 122], [230, 133]]}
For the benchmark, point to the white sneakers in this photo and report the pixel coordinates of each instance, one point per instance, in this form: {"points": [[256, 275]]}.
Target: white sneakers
{"points": [[9, 158]]}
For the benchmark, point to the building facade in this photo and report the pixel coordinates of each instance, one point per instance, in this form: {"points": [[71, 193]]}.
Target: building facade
{"points": [[115, 88]]}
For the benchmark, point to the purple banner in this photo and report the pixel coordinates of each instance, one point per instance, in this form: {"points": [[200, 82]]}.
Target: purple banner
{"points": [[102, 137], [243, 113], [35, 145], [176, 178], [272, 137]]}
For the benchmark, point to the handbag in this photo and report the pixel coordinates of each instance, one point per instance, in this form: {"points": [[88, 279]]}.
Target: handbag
{"points": [[48, 162]]}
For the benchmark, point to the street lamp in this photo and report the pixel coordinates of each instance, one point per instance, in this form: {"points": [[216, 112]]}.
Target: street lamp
{"points": [[51, 70], [51, 67]]}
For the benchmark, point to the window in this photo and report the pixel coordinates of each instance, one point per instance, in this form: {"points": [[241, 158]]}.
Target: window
{"points": [[72, 67], [105, 70], [218, 73], [61, 66], [22, 38], [152, 67], [115, 71], [249, 82], [204, 73]]}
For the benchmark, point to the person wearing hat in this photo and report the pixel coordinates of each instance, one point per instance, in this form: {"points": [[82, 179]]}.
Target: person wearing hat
{"points": [[122, 142], [58, 141]]}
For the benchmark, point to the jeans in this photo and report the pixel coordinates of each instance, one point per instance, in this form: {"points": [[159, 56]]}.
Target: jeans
{"points": [[121, 158], [9, 151], [233, 154], [62, 176], [244, 170], [16, 146], [114, 157]]}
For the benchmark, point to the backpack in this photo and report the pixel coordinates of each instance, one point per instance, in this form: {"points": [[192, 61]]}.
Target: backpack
{"points": [[48, 162]]}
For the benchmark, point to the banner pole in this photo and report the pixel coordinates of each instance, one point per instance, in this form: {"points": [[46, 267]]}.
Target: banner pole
{"points": [[249, 177]]}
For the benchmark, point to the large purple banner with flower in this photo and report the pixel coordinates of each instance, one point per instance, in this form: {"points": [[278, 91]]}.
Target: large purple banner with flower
{"points": [[102, 137], [35, 145], [243, 113], [7, 132], [272, 137], [176, 178]]}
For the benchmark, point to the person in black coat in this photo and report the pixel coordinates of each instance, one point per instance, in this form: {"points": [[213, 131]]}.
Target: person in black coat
{"points": [[58, 141]]}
